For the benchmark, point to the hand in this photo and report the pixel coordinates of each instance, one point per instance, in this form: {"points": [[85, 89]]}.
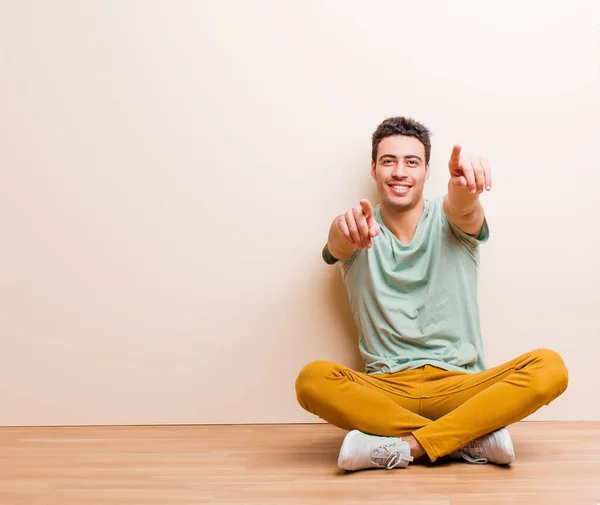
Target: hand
{"points": [[470, 172], [358, 226]]}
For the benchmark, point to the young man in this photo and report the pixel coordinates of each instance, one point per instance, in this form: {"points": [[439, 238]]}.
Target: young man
{"points": [[410, 268]]}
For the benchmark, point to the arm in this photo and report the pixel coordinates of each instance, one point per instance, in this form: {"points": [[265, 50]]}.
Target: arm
{"points": [[351, 231], [469, 177]]}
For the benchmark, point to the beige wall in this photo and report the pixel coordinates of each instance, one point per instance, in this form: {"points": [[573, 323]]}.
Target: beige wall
{"points": [[170, 170]]}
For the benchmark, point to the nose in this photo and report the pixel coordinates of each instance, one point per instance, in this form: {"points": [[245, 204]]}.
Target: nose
{"points": [[399, 171]]}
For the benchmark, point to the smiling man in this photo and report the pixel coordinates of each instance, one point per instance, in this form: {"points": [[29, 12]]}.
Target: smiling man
{"points": [[410, 269]]}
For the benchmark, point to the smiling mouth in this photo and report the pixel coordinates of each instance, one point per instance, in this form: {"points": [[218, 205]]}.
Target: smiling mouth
{"points": [[399, 189]]}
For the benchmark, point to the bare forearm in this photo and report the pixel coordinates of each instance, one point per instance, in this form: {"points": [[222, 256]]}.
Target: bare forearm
{"points": [[337, 244], [464, 209], [461, 201]]}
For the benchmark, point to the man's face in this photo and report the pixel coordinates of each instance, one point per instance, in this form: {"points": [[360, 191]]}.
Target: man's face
{"points": [[400, 172]]}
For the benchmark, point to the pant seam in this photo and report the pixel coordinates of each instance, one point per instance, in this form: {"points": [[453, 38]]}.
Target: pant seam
{"points": [[462, 389], [376, 384], [421, 391]]}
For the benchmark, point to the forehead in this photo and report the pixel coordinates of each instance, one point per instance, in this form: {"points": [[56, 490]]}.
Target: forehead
{"points": [[401, 145]]}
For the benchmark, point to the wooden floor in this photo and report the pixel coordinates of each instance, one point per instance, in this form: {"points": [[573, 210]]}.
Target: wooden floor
{"points": [[557, 464]]}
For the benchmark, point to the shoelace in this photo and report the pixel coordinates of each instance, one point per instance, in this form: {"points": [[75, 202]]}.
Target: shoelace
{"points": [[389, 456], [473, 453]]}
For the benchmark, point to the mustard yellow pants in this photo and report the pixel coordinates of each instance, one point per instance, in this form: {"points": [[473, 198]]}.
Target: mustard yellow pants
{"points": [[443, 410]]}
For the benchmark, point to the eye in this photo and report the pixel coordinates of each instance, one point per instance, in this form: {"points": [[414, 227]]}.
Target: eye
{"points": [[413, 163], [388, 161]]}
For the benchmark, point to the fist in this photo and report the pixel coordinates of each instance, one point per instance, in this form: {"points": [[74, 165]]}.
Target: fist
{"points": [[358, 226], [470, 172]]}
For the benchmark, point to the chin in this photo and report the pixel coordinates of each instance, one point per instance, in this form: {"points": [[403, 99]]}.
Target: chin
{"points": [[400, 207], [400, 204]]}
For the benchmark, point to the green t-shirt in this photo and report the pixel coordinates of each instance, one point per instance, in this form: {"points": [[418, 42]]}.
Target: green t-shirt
{"points": [[417, 304]]}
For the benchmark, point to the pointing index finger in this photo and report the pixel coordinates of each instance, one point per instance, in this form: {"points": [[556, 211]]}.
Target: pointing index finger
{"points": [[367, 208], [455, 156]]}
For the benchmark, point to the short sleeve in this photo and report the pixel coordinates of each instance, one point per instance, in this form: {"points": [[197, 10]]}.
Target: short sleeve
{"points": [[472, 240], [345, 264]]}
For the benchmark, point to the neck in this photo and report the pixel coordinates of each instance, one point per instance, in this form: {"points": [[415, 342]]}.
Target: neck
{"points": [[403, 223]]}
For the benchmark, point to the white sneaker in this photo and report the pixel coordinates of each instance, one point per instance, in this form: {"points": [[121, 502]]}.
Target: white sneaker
{"points": [[495, 447], [360, 451]]}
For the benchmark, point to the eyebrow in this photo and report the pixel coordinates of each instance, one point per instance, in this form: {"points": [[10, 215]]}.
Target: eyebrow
{"points": [[408, 156]]}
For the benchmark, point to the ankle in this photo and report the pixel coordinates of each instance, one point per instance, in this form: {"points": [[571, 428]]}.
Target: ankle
{"points": [[416, 449]]}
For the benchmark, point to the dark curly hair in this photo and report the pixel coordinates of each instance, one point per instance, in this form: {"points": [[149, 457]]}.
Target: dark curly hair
{"points": [[402, 126]]}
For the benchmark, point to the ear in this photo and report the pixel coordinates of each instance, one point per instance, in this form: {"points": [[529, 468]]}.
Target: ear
{"points": [[373, 171], [427, 171]]}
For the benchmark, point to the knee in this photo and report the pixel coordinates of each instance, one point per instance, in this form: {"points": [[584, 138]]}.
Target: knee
{"points": [[553, 377], [311, 379]]}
